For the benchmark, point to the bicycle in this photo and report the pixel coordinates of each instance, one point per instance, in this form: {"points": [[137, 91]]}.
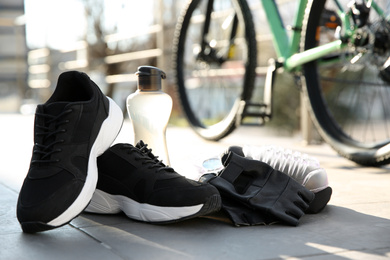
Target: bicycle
{"points": [[339, 52]]}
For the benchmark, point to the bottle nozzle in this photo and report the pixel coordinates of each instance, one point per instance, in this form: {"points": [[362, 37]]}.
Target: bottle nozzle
{"points": [[149, 78]]}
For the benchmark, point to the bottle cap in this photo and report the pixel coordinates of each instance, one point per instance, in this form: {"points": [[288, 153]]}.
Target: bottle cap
{"points": [[149, 78]]}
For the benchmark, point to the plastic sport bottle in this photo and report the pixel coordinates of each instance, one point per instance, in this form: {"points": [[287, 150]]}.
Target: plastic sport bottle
{"points": [[149, 109]]}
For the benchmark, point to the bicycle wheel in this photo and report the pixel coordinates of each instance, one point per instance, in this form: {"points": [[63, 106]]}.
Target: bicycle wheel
{"points": [[349, 90], [214, 61]]}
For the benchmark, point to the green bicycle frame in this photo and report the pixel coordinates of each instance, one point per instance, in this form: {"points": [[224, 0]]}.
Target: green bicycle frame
{"points": [[287, 49]]}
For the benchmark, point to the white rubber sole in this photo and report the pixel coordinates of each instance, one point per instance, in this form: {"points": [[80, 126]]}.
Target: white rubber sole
{"points": [[107, 134], [105, 203]]}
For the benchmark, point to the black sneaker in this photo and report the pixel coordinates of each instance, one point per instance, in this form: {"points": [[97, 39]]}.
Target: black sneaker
{"points": [[75, 126], [133, 180]]}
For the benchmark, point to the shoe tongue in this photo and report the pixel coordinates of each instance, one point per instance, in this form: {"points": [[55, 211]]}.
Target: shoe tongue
{"points": [[140, 144], [55, 108], [148, 152]]}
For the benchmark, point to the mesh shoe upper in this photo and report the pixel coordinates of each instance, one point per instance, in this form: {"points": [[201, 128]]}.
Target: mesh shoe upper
{"points": [[134, 172]]}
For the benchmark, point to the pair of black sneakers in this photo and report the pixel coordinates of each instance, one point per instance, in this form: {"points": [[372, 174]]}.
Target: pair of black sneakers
{"points": [[73, 168]]}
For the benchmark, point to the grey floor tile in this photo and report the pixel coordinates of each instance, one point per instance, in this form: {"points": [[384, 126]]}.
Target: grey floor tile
{"points": [[355, 225], [63, 243]]}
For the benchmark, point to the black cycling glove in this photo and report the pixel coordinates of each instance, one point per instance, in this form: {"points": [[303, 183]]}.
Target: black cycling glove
{"points": [[266, 194], [238, 213], [310, 171]]}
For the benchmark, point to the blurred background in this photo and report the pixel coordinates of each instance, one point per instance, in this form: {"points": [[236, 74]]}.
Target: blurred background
{"points": [[109, 39]]}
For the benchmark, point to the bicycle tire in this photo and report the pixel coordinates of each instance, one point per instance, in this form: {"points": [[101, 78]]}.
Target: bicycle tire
{"points": [[199, 107], [348, 98]]}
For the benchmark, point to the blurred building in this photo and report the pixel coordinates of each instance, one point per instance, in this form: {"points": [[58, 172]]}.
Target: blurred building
{"points": [[13, 55]]}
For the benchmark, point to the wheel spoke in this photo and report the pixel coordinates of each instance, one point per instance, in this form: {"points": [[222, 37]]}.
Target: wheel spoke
{"points": [[216, 68]]}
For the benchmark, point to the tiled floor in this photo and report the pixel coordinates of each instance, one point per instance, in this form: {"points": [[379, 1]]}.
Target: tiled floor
{"points": [[355, 224]]}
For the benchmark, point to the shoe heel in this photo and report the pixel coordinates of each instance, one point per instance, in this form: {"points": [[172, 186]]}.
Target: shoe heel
{"points": [[109, 129], [102, 203]]}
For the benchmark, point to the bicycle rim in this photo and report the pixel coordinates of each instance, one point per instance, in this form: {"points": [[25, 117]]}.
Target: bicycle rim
{"points": [[349, 90], [211, 86]]}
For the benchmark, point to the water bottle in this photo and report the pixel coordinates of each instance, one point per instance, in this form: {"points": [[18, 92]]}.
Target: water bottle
{"points": [[149, 109]]}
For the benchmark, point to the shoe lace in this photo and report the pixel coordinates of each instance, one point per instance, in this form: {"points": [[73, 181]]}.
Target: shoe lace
{"points": [[48, 132], [146, 157]]}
